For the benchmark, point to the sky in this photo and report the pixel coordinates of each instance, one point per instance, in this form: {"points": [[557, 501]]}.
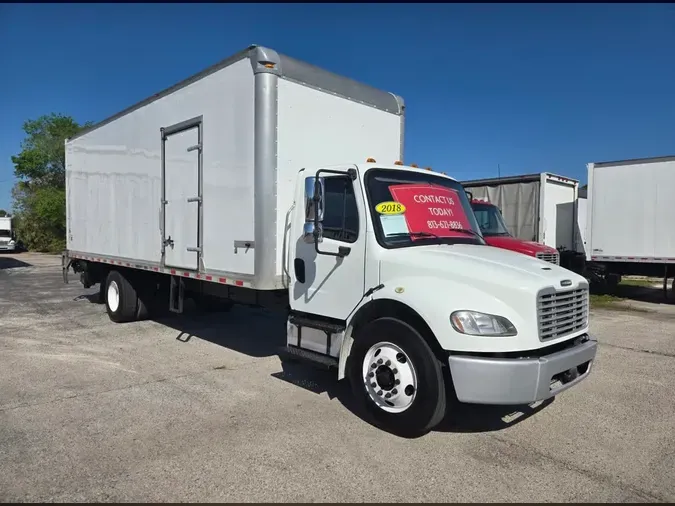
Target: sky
{"points": [[489, 88]]}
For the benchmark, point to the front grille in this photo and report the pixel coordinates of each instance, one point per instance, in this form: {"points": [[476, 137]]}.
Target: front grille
{"points": [[553, 258], [562, 313]]}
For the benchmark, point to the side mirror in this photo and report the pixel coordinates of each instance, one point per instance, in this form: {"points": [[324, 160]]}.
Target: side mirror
{"points": [[314, 207], [469, 194]]}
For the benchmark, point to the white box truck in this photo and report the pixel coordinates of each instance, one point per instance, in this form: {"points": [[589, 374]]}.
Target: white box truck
{"points": [[630, 208], [7, 239], [271, 182], [537, 207]]}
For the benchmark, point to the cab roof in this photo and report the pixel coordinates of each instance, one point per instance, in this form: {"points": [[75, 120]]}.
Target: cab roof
{"points": [[406, 168]]}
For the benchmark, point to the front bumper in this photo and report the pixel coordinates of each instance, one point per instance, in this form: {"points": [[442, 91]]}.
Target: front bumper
{"points": [[7, 247], [513, 381]]}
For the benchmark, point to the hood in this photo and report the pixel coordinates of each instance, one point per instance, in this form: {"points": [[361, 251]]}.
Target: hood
{"points": [[476, 265], [511, 243]]}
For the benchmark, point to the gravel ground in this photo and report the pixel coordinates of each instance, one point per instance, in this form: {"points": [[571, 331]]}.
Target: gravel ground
{"points": [[200, 409]]}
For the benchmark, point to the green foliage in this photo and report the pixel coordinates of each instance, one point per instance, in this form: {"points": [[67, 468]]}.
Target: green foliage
{"points": [[39, 197], [3, 213]]}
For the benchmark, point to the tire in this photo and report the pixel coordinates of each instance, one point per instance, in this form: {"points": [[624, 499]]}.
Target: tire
{"points": [[142, 310], [101, 291], [121, 301], [407, 412]]}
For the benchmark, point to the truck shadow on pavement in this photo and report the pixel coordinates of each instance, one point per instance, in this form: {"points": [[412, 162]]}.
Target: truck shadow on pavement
{"points": [[8, 262], [245, 330], [460, 418], [259, 333], [649, 294]]}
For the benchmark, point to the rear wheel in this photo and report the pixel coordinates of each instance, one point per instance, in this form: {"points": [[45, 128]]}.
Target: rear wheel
{"points": [[121, 300], [396, 378]]}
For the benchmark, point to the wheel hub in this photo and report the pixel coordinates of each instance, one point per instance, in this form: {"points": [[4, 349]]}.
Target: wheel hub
{"points": [[385, 377], [389, 377], [113, 296]]}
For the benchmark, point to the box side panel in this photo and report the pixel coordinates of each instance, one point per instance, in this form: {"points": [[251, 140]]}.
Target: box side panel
{"points": [[228, 172], [663, 189], [317, 129], [559, 214], [113, 173], [519, 204], [632, 208]]}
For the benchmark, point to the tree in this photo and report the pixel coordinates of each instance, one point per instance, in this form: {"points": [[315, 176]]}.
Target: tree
{"points": [[39, 196], [3, 213]]}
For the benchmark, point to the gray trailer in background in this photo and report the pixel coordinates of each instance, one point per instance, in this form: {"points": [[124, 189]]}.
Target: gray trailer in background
{"points": [[537, 207]]}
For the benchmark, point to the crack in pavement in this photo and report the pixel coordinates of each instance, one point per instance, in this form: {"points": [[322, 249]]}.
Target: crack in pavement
{"points": [[595, 476], [639, 350]]}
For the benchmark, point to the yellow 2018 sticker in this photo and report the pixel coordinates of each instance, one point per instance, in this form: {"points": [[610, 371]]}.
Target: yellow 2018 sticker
{"points": [[390, 208]]}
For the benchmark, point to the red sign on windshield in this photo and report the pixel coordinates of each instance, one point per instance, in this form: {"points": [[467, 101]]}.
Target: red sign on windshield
{"points": [[432, 209]]}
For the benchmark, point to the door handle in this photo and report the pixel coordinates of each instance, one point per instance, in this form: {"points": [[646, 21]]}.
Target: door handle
{"points": [[194, 250], [194, 199]]}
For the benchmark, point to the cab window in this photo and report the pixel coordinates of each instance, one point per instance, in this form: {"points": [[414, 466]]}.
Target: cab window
{"points": [[341, 215]]}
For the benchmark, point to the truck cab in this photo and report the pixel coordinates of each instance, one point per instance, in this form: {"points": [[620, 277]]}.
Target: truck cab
{"points": [[496, 233], [390, 273], [7, 240]]}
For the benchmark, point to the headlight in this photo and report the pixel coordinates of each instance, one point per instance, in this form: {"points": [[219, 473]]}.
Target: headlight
{"points": [[480, 324]]}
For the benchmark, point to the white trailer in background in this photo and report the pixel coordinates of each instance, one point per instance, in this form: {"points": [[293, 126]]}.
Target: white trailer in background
{"points": [[537, 207], [253, 183], [630, 212], [582, 217]]}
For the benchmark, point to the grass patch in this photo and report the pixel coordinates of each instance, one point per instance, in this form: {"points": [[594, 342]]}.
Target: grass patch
{"points": [[604, 300], [637, 282]]}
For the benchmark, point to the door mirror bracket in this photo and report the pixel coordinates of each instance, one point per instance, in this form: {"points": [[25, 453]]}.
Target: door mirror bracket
{"points": [[315, 199]]}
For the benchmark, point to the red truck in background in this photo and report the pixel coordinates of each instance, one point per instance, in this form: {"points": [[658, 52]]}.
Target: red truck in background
{"points": [[496, 234]]}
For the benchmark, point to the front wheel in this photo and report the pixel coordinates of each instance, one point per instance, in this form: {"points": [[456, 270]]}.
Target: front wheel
{"points": [[396, 378]]}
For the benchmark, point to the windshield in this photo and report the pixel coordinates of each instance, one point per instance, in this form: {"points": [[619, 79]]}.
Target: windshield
{"points": [[489, 219], [414, 208]]}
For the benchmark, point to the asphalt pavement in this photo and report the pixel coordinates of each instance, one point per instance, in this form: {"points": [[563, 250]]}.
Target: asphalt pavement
{"points": [[200, 408]]}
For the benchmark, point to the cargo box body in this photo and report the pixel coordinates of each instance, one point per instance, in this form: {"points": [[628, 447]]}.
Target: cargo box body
{"points": [[201, 176], [631, 206]]}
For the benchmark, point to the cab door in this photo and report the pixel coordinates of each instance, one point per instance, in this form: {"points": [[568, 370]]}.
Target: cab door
{"points": [[322, 283]]}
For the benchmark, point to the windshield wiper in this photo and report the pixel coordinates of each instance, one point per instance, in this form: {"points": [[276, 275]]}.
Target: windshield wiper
{"points": [[466, 231], [417, 234]]}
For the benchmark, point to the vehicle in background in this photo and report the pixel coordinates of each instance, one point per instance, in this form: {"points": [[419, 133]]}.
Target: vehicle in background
{"points": [[7, 239], [537, 208], [629, 219], [228, 188], [496, 233]]}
